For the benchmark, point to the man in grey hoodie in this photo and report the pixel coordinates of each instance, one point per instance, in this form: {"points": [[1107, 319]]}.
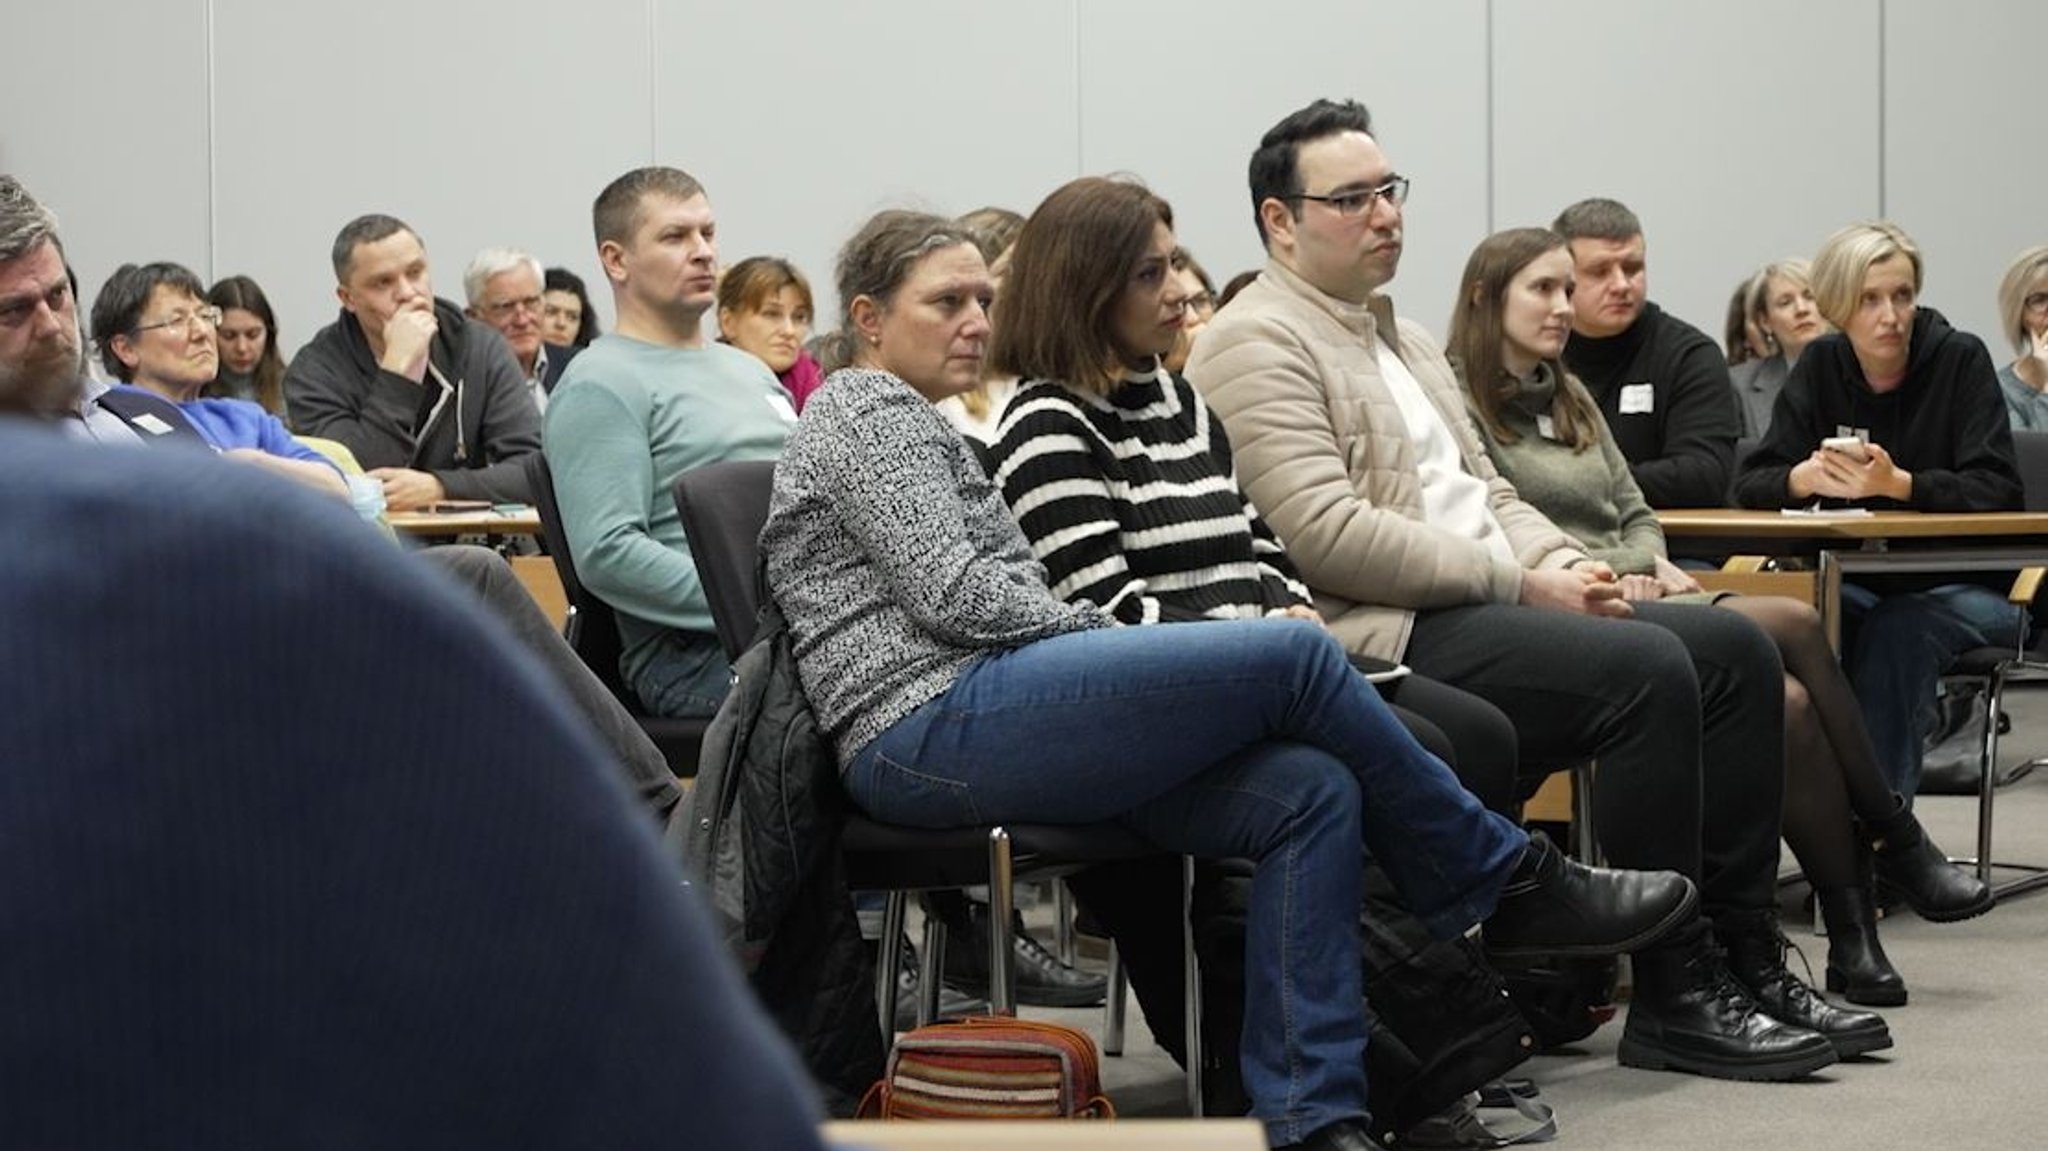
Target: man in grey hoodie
{"points": [[431, 402]]}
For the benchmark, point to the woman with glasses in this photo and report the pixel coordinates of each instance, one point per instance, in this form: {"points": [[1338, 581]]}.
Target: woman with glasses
{"points": [[1200, 292], [156, 333], [1897, 409], [2023, 314], [1777, 304], [1509, 325], [959, 691], [250, 366]]}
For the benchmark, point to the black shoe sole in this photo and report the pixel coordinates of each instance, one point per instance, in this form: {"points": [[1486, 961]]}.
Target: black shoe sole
{"points": [[1650, 1055], [1853, 1045], [1038, 996], [1865, 996], [1637, 942], [1893, 896]]}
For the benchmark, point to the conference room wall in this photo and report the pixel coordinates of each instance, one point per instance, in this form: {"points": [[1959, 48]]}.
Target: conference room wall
{"points": [[236, 135]]}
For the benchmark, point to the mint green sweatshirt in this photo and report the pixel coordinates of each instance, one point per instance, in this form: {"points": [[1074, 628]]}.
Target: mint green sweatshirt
{"points": [[627, 418]]}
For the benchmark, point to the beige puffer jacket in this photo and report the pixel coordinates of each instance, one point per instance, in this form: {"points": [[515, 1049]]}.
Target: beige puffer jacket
{"points": [[1322, 450]]}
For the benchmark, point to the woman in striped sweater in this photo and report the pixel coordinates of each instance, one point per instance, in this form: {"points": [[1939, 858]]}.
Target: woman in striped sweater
{"points": [[1122, 478]]}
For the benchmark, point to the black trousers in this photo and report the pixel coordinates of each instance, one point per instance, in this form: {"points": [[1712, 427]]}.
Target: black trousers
{"points": [[1682, 706]]}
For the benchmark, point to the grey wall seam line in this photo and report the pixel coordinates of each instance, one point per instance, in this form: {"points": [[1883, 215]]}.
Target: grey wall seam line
{"points": [[212, 158], [1492, 152], [1883, 100]]}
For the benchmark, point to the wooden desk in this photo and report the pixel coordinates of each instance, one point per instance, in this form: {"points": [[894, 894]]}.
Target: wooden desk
{"points": [[1968, 542], [438, 525]]}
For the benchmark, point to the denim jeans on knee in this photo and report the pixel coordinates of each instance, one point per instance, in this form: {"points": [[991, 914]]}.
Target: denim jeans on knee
{"points": [[1248, 739], [1895, 648]]}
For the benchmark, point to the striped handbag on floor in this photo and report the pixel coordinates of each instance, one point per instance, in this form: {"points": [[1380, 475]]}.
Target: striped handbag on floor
{"points": [[990, 1067]]}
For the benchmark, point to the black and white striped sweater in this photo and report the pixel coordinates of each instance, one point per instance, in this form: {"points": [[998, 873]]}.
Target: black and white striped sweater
{"points": [[1130, 501]]}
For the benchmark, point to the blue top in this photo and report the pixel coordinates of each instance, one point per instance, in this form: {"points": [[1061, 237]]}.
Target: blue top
{"points": [[229, 424], [2027, 407]]}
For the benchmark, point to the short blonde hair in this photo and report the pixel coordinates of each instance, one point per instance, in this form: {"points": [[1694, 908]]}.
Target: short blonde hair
{"points": [[2028, 270], [1844, 261]]}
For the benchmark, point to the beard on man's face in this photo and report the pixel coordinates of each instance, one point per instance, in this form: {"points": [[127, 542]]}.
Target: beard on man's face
{"points": [[47, 382]]}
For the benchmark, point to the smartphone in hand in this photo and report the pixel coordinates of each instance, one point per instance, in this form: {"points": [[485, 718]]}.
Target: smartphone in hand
{"points": [[1847, 445]]}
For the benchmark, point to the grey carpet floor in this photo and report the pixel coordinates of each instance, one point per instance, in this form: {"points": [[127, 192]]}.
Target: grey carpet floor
{"points": [[1969, 1069]]}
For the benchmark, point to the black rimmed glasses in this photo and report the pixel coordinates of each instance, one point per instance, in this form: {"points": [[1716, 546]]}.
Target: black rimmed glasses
{"points": [[208, 315], [1394, 191]]}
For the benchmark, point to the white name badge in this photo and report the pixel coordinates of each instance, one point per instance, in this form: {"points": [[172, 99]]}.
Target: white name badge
{"points": [[782, 407], [1546, 427], [1638, 399], [149, 422]]}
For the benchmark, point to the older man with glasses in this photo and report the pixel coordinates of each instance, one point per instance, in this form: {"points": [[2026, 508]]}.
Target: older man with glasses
{"points": [[505, 290]]}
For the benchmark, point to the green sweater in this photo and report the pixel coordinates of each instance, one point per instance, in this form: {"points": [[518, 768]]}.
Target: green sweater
{"points": [[1589, 494], [626, 420]]}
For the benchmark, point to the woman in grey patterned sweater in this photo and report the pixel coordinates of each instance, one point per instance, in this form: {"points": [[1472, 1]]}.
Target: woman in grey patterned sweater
{"points": [[959, 691]]}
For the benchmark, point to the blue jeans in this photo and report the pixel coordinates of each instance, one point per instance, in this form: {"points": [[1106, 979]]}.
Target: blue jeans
{"points": [[1895, 649], [1249, 739], [686, 676]]}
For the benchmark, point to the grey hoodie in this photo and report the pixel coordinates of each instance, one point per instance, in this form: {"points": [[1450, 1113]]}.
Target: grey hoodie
{"points": [[471, 434]]}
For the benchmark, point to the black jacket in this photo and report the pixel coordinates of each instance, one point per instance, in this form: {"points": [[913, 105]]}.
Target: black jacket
{"points": [[1681, 450], [473, 442], [1946, 424], [760, 838]]}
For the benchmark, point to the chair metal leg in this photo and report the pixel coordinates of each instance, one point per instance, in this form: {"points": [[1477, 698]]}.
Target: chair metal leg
{"points": [[1063, 922], [1987, 780], [1582, 816], [930, 965], [1002, 978], [886, 960], [1192, 1017], [1113, 1005]]}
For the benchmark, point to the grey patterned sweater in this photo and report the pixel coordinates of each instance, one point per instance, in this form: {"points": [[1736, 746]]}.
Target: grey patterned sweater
{"points": [[894, 558]]}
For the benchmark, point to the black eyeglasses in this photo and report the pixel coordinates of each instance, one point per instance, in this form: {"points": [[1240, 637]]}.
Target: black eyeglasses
{"points": [[1395, 191]]}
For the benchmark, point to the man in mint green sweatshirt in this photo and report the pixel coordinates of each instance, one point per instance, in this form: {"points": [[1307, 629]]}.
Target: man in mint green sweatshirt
{"points": [[643, 404]]}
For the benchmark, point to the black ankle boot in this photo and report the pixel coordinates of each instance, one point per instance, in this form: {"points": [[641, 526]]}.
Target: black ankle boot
{"points": [[1689, 1014], [1857, 965], [1756, 957], [1042, 980], [1911, 866]]}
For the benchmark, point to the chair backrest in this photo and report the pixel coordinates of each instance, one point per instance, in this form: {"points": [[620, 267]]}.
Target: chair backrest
{"points": [[723, 507], [593, 628], [2031, 448]]}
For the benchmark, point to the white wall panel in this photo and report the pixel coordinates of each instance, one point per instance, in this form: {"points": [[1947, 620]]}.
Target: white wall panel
{"points": [[475, 127], [106, 124], [804, 122], [1740, 131], [1962, 174], [1182, 101]]}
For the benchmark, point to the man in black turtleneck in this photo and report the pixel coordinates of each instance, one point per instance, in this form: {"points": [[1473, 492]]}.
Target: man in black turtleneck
{"points": [[1661, 383]]}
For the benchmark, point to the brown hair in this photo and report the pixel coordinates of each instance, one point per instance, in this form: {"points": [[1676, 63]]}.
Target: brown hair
{"points": [[242, 292], [1067, 268], [616, 214], [1477, 333], [748, 285]]}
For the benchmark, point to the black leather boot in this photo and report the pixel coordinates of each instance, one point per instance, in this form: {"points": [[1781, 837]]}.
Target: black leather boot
{"points": [[1555, 905], [1857, 966], [1042, 980], [1912, 867], [1690, 1014], [1756, 957]]}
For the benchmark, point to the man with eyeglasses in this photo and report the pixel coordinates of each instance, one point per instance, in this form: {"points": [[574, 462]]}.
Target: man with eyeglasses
{"points": [[1661, 383], [504, 287], [1349, 433], [431, 401]]}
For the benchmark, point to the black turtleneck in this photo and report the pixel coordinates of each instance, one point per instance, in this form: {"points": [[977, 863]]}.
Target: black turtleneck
{"points": [[1681, 422]]}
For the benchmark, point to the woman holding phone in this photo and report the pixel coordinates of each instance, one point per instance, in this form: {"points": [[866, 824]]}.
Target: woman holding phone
{"points": [[1545, 434], [1896, 409]]}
